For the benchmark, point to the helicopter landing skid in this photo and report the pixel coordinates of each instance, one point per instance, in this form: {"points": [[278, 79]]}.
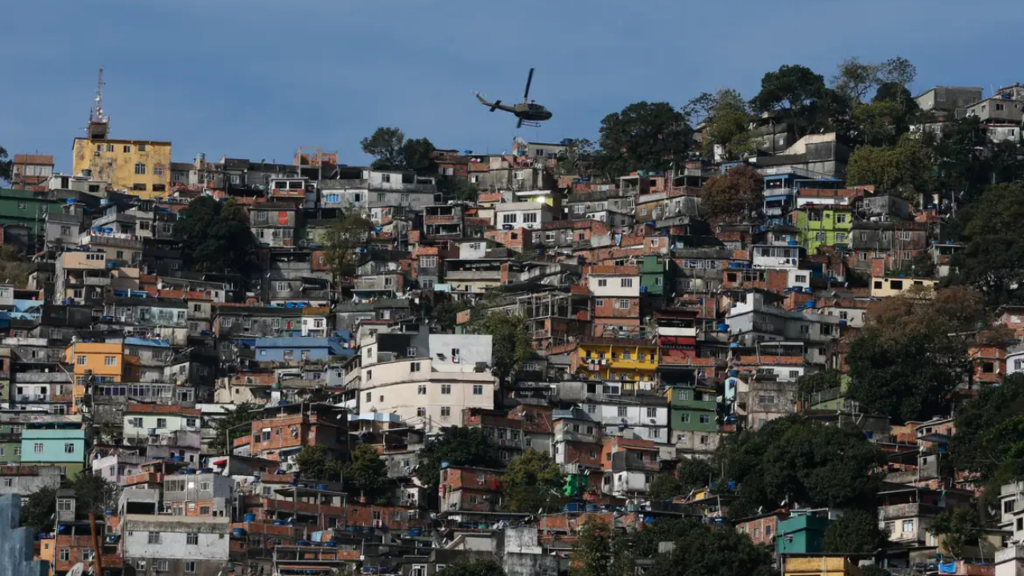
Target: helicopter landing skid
{"points": [[529, 123]]}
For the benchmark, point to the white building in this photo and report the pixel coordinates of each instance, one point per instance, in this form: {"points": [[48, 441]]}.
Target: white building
{"points": [[531, 215], [614, 285], [155, 420], [776, 256], [175, 544]]}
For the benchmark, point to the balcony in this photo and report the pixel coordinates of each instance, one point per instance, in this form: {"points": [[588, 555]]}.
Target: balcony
{"points": [[439, 219]]}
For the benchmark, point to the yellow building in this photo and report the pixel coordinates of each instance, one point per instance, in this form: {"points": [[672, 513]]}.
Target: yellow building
{"points": [[883, 287], [101, 362], [617, 359], [142, 167], [820, 566]]}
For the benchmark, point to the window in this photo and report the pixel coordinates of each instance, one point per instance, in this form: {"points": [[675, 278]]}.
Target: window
{"points": [[428, 261], [369, 397], [64, 554], [896, 284], [509, 218], [840, 218], [908, 525], [840, 237], [414, 367], [655, 432], [109, 360], [8, 482], [704, 440], [190, 567], [602, 282], [139, 187], [154, 537], [421, 412], [37, 448], [192, 539], [622, 411], [446, 388], [478, 389], [626, 283], [591, 408], [814, 216], [705, 419], [598, 303], [445, 411], [161, 422], [140, 169], [1008, 506], [127, 149], [530, 218], [69, 448], [80, 360], [203, 510], [623, 304]]}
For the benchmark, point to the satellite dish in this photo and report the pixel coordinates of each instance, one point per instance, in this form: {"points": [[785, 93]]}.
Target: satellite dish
{"points": [[77, 570]]}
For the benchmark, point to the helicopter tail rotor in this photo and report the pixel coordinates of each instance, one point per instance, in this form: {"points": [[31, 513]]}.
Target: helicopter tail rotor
{"points": [[495, 105]]}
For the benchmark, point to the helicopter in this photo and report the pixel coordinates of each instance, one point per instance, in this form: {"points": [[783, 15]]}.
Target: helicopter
{"points": [[528, 111]]}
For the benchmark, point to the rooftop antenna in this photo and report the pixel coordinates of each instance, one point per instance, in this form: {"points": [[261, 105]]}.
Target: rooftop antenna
{"points": [[98, 122]]}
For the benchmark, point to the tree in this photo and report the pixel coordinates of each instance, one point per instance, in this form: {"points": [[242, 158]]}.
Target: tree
{"points": [[342, 242], [989, 439], [38, 510], [897, 70], [511, 343], [644, 136], [593, 554], [458, 446], [904, 169], [992, 261], [855, 79], [94, 495], [316, 463], [231, 425], [418, 156], [665, 486], [856, 532], [803, 462], [368, 473], [215, 237], [473, 567], [810, 384], [936, 332], [14, 266], [6, 166], [735, 196], [726, 123], [446, 314], [959, 527], [531, 484], [466, 191], [705, 551], [386, 145], [576, 159]]}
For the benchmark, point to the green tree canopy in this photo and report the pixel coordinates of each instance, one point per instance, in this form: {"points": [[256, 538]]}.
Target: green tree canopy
{"points": [[458, 446], [708, 552], [726, 117], [368, 473], [38, 510], [317, 463], [856, 532], [386, 147], [644, 136], [473, 567], [342, 241], [803, 462], [215, 237], [511, 343], [418, 156], [6, 165], [936, 332], [959, 528], [993, 261], [531, 483], [816, 382], [735, 196], [989, 439], [905, 169], [231, 425]]}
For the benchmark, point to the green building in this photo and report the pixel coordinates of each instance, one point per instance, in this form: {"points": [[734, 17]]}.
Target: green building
{"points": [[800, 534], [27, 208], [657, 276], [822, 226], [693, 408], [55, 445]]}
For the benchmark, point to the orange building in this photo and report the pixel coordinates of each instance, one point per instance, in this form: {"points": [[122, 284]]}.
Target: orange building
{"points": [[99, 362], [283, 431]]}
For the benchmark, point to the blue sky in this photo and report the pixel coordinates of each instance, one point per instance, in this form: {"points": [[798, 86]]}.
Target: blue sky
{"points": [[258, 78]]}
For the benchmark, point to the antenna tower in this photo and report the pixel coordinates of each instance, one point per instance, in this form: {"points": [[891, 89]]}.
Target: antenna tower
{"points": [[98, 122]]}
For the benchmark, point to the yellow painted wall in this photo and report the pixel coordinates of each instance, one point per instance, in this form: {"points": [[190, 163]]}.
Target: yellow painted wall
{"points": [[617, 366], [884, 287], [820, 566], [109, 162]]}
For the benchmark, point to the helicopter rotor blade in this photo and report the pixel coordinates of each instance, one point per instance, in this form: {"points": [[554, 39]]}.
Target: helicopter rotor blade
{"points": [[529, 80]]}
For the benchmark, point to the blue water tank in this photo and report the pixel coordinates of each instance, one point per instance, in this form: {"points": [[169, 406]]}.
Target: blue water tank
{"points": [[238, 532], [321, 486], [250, 517]]}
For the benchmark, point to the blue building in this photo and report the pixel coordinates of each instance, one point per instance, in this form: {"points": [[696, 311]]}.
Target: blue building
{"points": [[16, 543], [63, 447], [297, 349]]}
